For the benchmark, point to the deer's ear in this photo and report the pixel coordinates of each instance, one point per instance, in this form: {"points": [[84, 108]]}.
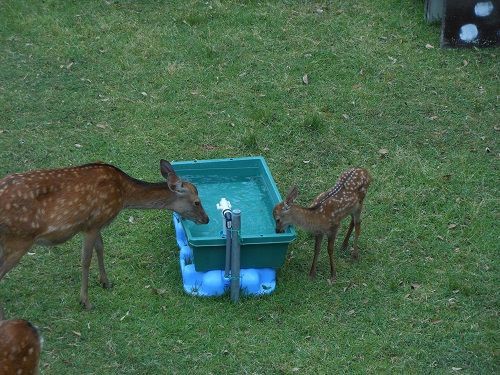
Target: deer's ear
{"points": [[166, 169], [174, 182], [292, 194]]}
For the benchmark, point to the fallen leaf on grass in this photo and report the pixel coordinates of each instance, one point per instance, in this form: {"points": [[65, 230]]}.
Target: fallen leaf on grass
{"points": [[160, 292], [345, 116], [124, 316], [452, 226], [208, 147], [415, 286], [305, 79], [429, 46], [77, 333], [77, 145], [456, 368], [383, 152]]}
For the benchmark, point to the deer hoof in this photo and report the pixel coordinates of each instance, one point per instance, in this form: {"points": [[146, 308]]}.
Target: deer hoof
{"points": [[312, 275], [106, 284], [86, 305], [332, 280]]}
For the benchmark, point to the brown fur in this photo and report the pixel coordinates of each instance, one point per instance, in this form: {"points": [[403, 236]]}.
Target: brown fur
{"points": [[48, 207], [327, 210], [19, 348]]}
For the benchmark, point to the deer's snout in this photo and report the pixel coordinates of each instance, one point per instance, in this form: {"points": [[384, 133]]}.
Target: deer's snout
{"points": [[204, 219], [279, 228]]}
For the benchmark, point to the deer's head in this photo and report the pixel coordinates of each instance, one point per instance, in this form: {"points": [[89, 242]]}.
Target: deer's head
{"points": [[186, 203], [281, 211]]}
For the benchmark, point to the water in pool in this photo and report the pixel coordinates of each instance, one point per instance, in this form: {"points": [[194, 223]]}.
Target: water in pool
{"points": [[248, 194]]}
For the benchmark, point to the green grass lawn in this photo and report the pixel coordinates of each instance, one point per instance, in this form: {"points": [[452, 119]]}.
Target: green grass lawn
{"points": [[131, 82]]}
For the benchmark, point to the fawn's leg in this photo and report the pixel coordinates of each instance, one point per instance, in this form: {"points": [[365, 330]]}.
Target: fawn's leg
{"points": [[317, 247], [89, 241], [99, 249], [331, 242], [357, 231], [11, 252], [345, 244]]}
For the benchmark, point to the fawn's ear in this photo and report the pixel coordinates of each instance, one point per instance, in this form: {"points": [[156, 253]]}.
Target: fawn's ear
{"points": [[167, 171], [290, 197]]}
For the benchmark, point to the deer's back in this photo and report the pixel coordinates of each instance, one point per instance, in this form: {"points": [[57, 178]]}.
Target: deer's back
{"points": [[346, 195], [52, 205]]}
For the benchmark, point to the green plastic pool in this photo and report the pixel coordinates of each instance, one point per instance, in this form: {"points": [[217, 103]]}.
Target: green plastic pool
{"points": [[247, 183]]}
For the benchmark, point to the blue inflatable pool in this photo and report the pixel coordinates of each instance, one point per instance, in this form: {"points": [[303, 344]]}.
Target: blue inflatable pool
{"points": [[253, 281]]}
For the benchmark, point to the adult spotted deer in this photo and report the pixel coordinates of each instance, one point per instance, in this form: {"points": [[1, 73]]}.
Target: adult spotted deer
{"points": [[48, 207], [324, 215], [20, 346]]}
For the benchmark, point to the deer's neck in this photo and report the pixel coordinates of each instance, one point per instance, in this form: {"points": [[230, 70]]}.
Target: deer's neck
{"points": [[144, 195], [310, 219]]}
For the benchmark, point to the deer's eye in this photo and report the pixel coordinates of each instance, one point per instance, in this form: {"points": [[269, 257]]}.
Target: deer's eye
{"points": [[196, 203]]}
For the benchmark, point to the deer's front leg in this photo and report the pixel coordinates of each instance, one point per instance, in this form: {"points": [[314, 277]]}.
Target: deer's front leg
{"points": [[331, 243], [317, 247], [345, 244], [357, 231], [11, 252], [89, 241], [99, 249]]}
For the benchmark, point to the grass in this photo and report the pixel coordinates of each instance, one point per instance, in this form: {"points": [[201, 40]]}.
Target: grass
{"points": [[131, 82]]}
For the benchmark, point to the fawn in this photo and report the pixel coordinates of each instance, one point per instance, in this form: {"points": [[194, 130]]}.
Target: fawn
{"points": [[20, 346], [324, 215], [48, 207]]}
